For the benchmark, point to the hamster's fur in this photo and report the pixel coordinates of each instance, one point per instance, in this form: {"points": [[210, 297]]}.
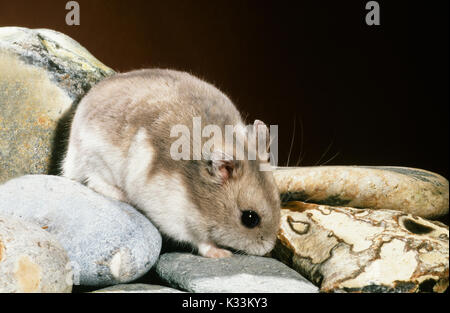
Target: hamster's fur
{"points": [[119, 146]]}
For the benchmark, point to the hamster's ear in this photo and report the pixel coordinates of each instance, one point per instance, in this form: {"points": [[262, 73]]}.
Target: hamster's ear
{"points": [[221, 166], [262, 139]]}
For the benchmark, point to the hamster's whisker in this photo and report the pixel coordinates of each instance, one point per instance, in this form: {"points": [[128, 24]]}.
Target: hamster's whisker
{"points": [[334, 156], [292, 142], [326, 151], [302, 155]]}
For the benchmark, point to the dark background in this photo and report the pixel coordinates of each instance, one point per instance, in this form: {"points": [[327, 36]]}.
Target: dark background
{"points": [[357, 94]]}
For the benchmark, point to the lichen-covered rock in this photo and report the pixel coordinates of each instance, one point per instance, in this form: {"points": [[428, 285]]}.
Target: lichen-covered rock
{"points": [[410, 190], [345, 249], [31, 260], [138, 288], [239, 273], [108, 242], [43, 75]]}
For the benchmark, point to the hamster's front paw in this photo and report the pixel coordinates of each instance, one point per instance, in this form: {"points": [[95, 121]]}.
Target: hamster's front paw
{"points": [[209, 250], [218, 253]]}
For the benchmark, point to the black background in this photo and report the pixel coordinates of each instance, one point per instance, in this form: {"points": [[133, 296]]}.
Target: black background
{"points": [[356, 94]]}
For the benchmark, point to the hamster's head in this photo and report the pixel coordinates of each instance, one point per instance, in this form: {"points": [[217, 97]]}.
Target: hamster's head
{"points": [[240, 203]]}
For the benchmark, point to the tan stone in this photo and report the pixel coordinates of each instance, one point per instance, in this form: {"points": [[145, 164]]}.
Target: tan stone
{"points": [[31, 259], [28, 274], [410, 190], [344, 249], [30, 107], [43, 75]]}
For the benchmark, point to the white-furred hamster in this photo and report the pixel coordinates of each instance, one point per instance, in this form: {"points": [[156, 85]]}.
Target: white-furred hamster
{"points": [[120, 146]]}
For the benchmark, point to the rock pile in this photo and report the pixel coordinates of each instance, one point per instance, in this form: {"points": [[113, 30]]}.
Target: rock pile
{"points": [[108, 242], [359, 232]]}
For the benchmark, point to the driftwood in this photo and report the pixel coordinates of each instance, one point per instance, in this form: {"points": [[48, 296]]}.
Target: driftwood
{"points": [[344, 249]]}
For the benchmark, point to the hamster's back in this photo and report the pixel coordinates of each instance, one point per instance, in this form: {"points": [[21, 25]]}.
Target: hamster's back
{"points": [[158, 97]]}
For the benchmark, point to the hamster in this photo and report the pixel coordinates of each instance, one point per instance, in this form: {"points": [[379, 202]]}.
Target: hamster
{"points": [[120, 146]]}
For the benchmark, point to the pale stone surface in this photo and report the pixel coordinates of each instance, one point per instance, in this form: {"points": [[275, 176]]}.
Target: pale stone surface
{"points": [[108, 242], [345, 249], [239, 273], [410, 190], [31, 260], [138, 288], [43, 76]]}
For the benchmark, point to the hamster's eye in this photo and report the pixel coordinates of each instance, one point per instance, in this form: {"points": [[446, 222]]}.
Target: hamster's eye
{"points": [[250, 219]]}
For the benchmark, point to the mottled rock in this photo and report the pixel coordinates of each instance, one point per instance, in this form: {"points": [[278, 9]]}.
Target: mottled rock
{"points": [[410, 190], [239, 273], [108, 241], [345, 249], [137, 288], [31, 260], [43, 76]]}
